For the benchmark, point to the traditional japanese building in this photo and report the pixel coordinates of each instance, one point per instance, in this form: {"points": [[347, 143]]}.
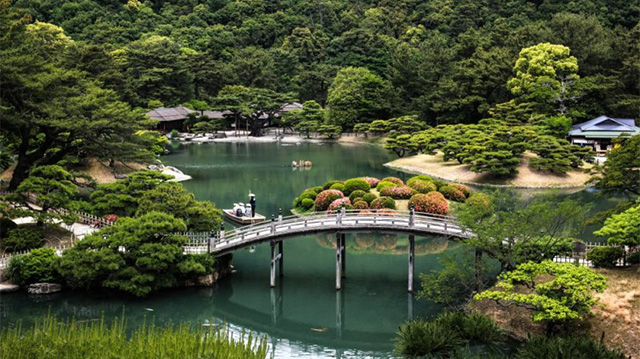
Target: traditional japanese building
{"points": [[600, 132]]}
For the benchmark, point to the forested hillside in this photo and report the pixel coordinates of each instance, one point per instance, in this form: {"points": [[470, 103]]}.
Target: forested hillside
{"points": [[446, 61]]}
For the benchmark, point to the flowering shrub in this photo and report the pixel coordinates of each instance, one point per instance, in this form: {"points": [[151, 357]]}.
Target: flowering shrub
{"points": [[360, 204], [419, 178], [383, 184], [433, 203], [383, 202], [399, 192], [386, 212], [356, 184], [422, 186], [453, 194], [356, 194], [395, 180], [462, 188], [324, 199], [337, 204], [480, 202], [372, 181]]}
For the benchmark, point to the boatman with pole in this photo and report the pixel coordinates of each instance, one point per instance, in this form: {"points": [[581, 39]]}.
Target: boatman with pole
{"points": [[252, 202]]}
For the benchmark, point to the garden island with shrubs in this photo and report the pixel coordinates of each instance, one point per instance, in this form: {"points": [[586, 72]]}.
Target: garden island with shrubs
{"points": [[423, 193]]}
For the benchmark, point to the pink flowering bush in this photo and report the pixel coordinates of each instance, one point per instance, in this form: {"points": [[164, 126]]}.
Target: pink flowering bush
{"points": [[453, 194], [373, 182], [337, 204], [383, 202], [432, 202], [360, 204], [325, 198], [395, 180], [399, 192]]}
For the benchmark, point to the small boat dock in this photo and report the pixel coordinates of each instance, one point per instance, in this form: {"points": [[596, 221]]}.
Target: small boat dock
{"points": [[258, 218]]}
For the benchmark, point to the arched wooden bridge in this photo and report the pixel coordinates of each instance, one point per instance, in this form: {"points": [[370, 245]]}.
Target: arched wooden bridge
{"points": [[340, 222]]}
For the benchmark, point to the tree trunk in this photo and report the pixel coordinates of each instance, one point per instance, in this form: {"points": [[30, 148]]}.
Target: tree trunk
{"points": [[20, 172]]}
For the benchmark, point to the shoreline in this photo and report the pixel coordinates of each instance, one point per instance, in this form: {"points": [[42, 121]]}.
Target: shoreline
{"points": [[286, 138]]}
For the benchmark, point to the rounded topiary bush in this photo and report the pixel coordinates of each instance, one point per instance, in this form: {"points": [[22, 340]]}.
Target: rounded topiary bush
{"points": [[419, 178], [439, 183], [372, 181], [316, 189], [383, 184], [383, 202], [605, 257], [308, 194], [422, 186], [356, 184], [328, 184], [324, 199], [395, 180], [356, 194], [479, 201], [369, 197], [462, 188], [399, 192], [307, 203], [432, 202], [338, 186], [23, 238], [338, 203], [452, 193], [39, 265], [360, 204]]}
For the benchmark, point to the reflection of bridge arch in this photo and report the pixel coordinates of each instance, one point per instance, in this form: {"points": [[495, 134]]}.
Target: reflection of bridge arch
{"points": [[276, 231]]}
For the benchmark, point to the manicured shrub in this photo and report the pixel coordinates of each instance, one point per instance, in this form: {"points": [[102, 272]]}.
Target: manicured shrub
{"points": [[473, 327], [23, 238], [399, 192], [356, 194], [395, 180], [360, 204], [327, 185], [338, 186], [37, 266], [419, 178], [383, 202], [462, 188], [373, 182], [564, 348], [383, 184], [452, 193], [6, 225], [479, 199], [337, 204], [316, 189], [369, 197], [634, 258], [308, 194], [356, 184], [439, 183], [605, 257], [432, 202], [422, 186], [419, 338], [324, 199], [307, 203]]}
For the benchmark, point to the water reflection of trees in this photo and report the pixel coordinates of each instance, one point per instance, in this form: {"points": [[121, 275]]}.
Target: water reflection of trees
{"points": [[392, 244]]}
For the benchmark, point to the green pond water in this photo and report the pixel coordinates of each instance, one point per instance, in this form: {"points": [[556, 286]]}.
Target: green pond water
{"points": [[303, 316]]}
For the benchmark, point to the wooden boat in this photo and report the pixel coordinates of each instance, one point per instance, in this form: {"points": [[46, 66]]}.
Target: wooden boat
{"points": [[243, 219]]}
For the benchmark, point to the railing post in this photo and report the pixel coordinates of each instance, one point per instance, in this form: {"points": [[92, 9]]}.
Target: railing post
{"points": [[222, 231], [279, 215], [212, 238], [445, 225], [411, 215], [273, 224]]}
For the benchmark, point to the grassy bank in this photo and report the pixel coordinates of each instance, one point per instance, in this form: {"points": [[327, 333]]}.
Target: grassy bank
{"points": [[50, 338]]}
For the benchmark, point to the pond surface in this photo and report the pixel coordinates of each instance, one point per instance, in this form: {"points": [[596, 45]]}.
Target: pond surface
{"points": [[303, 316]]}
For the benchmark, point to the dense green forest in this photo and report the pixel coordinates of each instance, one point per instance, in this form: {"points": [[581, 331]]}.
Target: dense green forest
{"points": [[443, 60]]}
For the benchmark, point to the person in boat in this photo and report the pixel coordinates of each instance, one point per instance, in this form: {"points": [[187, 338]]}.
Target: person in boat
{"points": [[238, 209], [252, 202]]}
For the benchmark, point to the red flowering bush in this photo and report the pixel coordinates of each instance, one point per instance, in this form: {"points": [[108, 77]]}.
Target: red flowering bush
{"points": [[453, 194], [422, 186], [433, 203], [337, 204], [383, 202], [395, 180], [360, 204], [399, 192], [462, 188], [373, 182], [324, 199]]}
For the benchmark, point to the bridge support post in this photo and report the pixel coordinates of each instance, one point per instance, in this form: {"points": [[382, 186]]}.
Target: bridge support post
{"points": [[411, 260], [343, 239], [338, 261], [272, 273], [410, 306], [339, 313], [281, 258]]}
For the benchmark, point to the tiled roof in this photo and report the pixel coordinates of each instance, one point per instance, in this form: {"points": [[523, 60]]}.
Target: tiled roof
{"points": [[164, 114], [604, 124]]}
